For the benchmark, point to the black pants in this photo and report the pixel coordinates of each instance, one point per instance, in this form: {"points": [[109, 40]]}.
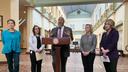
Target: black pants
{"points": [[88, 62], [63, 63], [35, 65], [112, 66], [13, 61]]}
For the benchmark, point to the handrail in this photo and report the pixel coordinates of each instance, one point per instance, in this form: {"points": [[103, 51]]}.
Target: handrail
{"points": [[42, 15]]}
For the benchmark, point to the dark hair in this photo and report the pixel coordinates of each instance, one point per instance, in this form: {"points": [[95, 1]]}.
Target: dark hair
{"points": [[11, 20], [33, 29]]}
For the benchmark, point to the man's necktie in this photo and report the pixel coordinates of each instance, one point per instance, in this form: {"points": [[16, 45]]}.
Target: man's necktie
{"points": [[59, 33]]}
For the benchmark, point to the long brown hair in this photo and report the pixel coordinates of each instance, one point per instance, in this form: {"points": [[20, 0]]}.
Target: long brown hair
{"points": [[33, 29]]}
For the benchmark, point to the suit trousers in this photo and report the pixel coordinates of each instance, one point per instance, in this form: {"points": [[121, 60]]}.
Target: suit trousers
{"points": [[13, 61], [111, 66], [35, 65], [88, 62]]}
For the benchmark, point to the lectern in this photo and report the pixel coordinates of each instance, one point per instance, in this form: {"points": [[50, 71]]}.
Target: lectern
{"points": [[57, 41]]}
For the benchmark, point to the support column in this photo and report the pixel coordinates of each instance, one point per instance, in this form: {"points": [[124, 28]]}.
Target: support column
{"points": [[29, 24], [125, 26], [42, 26], [15, 12], [8, 9]]}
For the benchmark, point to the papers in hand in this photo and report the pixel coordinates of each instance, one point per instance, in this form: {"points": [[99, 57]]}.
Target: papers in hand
{"points": [[39, 56], [105, 59]]}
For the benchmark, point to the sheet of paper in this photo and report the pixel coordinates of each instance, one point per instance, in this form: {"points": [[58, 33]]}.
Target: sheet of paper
{"points": [[39, 56], [105, 59]]}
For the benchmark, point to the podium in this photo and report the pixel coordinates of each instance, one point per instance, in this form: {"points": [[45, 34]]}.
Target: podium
{"points": [[57, 41]]}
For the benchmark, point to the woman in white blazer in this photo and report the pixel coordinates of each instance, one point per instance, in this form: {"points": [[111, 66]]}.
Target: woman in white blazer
{"points": [[35, 42]]}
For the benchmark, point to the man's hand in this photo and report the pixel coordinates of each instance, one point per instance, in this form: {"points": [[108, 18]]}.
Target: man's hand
{"points": [[68, 33]]}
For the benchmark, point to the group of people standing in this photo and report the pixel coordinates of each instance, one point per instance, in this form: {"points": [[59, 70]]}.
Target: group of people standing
{"points": [[108, 46]]}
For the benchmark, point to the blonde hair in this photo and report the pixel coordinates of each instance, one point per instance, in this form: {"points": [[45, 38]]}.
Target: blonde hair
{"points": [[91, 28], [110, 22]]}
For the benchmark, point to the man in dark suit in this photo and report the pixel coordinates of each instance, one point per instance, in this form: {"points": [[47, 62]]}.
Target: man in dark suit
{"points": [[60, 32]]}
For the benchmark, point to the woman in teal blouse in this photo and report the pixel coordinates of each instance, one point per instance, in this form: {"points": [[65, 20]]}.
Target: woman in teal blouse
{"points": [[11, 46]]}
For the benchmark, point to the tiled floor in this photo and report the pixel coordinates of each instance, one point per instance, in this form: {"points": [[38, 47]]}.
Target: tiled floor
{"points": [[74, 64]]}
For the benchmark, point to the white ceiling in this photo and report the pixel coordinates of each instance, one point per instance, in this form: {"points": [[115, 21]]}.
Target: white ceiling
{"points": [[87, 8]]}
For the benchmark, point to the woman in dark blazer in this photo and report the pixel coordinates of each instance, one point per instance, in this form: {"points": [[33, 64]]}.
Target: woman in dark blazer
{"points": [[108, 46]]}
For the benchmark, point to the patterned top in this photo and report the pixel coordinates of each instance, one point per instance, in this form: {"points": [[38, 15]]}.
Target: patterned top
{"points": [[88, 43]]}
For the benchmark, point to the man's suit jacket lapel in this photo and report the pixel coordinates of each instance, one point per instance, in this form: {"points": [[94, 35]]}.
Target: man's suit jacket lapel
{"points": [[56, 31], [64, 31]]}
